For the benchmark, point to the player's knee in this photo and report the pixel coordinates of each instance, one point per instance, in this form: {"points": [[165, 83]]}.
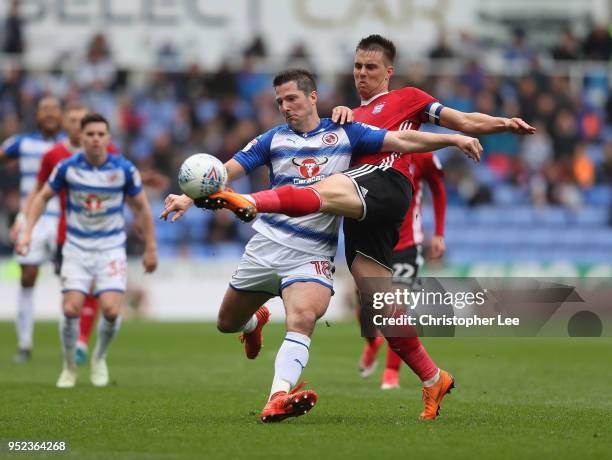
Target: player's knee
{"points": [[71, 309], [302, 318], [225, 326], [111, 315], [28, 278]]}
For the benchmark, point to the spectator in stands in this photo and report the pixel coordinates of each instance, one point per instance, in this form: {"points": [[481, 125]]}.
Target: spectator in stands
{"points": [[97, 71], [13, 42], [597, 45], [568, 48], [442, 50], [518, 53]]}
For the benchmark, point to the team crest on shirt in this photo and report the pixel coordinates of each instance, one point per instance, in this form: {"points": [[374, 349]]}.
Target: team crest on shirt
{"points": [[308, 168], [330, 139], [378, 108]]}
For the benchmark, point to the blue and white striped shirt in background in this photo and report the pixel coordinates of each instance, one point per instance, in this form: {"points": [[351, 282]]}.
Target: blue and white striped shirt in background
{"points": [[29, 150], [95, 199]]}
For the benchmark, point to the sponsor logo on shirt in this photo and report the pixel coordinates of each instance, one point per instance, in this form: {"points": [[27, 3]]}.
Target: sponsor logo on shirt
{"points": [[310, 167]]}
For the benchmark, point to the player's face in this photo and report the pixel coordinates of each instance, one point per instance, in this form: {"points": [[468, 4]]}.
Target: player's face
{"points": [[49, 115], [371, 73], [72, 124], [294, 104], [95, 138]]}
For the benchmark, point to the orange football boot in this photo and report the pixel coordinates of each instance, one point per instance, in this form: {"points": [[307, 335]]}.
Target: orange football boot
{"points": [[253, 340], [235, 202], [293, 404], [433, 395]]}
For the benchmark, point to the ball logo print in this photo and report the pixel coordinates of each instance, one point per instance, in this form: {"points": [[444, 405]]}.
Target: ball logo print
{"points": [[309, 167], [202, 175], [330, 139]]}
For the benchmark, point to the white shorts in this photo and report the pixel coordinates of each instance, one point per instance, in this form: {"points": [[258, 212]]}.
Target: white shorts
{"points": [[269, 267], [44, 242], [107, 269]]}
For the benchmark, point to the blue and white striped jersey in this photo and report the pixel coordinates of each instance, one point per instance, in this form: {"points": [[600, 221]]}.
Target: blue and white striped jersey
{"points": [[95, 198], [301, 159], [29, 149]]}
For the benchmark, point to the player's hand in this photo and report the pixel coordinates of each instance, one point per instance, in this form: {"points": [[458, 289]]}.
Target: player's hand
{"points": [[470, 146], [177, 204], [22, 247], [342, 114], [16, 227], [519, 126], [149, 260], [438, 247]]}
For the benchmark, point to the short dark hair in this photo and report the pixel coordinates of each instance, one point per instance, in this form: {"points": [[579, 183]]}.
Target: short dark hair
{"points": [[378, 43], [303, 78], [93, 118]]}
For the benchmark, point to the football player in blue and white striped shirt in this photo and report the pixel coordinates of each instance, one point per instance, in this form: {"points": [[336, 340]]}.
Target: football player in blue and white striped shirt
{"points": [[28, 149], [293, 256], [94, 252]]}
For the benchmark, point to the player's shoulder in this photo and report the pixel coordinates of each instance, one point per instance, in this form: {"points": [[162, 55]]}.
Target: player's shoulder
{"points": [[77, 159], [265, 139], [12, 140], [426, 161], [411, 92], [119, 161], [58, 151]]}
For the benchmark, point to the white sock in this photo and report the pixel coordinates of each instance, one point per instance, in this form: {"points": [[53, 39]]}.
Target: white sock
{"points": [[106, 331], [431, 381], [24, 322], [69, 333], [291, 360], [250, 198], [250, 325]]}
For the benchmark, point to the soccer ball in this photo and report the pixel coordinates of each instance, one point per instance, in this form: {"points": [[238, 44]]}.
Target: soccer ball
{"points": [[201, 175]]}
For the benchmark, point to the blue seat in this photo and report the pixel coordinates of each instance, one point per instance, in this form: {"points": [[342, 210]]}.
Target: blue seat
{"points": [[550, 215], [591, 215]]}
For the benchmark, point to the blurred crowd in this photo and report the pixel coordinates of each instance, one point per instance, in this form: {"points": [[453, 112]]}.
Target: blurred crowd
{"points": [[160, 118]]}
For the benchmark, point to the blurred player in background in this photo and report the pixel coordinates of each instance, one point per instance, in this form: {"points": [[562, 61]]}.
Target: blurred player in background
{"points": [[408, 253], [293, 257], [97, 185], [29, 149], [74, 113]]}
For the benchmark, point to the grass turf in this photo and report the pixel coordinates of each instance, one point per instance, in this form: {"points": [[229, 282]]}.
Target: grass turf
{"points": [[186, 391]]}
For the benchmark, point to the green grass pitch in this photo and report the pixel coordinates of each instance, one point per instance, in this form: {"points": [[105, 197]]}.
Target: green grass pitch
{"points": [[185, 391]]}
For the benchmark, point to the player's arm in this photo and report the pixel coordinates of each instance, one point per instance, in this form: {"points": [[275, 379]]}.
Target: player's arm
{"points": [[10, 148], [46, 168], [419, 142], [434, 178], [21, 215], [179, 204], [142, 211], [34, 212], [479, 123]]}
